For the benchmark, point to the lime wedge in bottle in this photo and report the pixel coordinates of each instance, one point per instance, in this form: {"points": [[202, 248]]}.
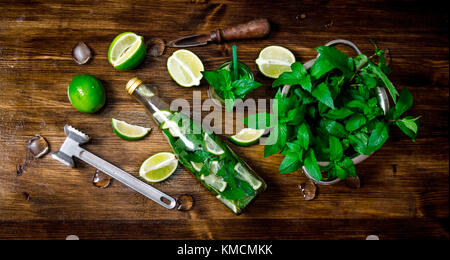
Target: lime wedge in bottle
{"points": [[162, 115], [127, 131], [274, 60], [197, 166], [214, 181], [212, 146], [126, 51], [247, 136], [158, 167], [185, 68], [245, 175]]}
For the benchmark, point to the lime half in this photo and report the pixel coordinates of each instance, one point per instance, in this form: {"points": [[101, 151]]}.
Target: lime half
{"points": [[274, 60], [247, 136], [158, 167], [127, 131], [185, 68], [212, 146], [126, 51]]}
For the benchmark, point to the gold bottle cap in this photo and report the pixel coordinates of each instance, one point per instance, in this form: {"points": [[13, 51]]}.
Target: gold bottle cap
{"points": [[133, 84]]}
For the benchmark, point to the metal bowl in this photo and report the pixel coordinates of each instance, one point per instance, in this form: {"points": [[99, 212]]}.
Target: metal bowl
{"points": [[383, 102]]}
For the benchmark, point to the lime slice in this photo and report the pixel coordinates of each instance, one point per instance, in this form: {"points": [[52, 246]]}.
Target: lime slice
{"points": [[158, 167], [247, 136], [162, 115], [245, 175], [126, 51], [185, 68], [214, 167], [212, 146], [228, 203], [127, 131], [197, 166], [274, 60], [214, 181]]}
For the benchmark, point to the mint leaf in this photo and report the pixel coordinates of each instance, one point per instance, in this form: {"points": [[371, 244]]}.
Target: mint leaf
{"points": [[336, 150], [372, 68], [355, 122], [311, 165], [242, 87], [340, 113], [303, 136], [378, 137], [359, 142], [408, 126], [405, 101], [298, 76], [213, 78], [322, 93], [334, 128], [340, 172], [290, 163], [331, 58]]}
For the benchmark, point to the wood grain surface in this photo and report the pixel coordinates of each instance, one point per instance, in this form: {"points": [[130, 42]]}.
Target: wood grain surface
{"points": [[405, 186]]}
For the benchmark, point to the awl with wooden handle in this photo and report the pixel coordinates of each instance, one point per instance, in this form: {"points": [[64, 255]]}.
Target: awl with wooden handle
{"points": [[257, 28]]}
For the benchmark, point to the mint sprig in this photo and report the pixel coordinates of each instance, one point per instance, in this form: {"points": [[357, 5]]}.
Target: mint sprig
{"points": [[228, 85]]}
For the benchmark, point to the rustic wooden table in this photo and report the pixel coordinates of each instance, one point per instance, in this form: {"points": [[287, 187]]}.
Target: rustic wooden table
{"points": [[405, 186]]}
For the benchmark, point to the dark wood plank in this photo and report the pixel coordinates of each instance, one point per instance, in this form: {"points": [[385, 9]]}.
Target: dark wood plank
{"points": [[405, 187]]}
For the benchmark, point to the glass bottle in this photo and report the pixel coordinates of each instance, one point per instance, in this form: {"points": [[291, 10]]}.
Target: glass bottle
{"points": [[200, 151]]}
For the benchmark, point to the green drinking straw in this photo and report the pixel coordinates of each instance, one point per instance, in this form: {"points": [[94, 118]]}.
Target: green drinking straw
{"points": [[235, 65]]}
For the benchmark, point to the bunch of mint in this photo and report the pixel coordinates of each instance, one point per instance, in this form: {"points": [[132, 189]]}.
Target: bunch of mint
{"points": [[332, 113], [229, 85]]}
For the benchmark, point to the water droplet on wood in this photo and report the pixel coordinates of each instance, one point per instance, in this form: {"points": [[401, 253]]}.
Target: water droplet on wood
{"points": [[81, 53], [372, 237], [185, 202], [353, 182], [101, 180], [308, 189], [27, 195], [37, 146], [72, 237], [19, 169], [156, 47]]}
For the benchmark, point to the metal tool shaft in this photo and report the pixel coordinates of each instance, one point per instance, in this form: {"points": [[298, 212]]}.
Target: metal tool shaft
{"points": [[126, 178]]}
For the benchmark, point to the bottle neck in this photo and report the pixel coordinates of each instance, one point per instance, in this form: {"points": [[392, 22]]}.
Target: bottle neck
{"points": [[148, 97]]}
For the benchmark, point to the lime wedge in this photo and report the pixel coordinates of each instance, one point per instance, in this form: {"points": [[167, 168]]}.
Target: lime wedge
{"points": [[245, 175], [161, 116], [127, 131], [214, 181], [247, 136], [158, 167], [185, 68], [228, 203], [126, 51], [212, 146], [274, 60], [197, 166]]}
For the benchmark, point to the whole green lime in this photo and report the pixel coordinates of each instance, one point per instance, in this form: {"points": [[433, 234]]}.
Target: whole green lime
{"points": [[86, 93]]}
